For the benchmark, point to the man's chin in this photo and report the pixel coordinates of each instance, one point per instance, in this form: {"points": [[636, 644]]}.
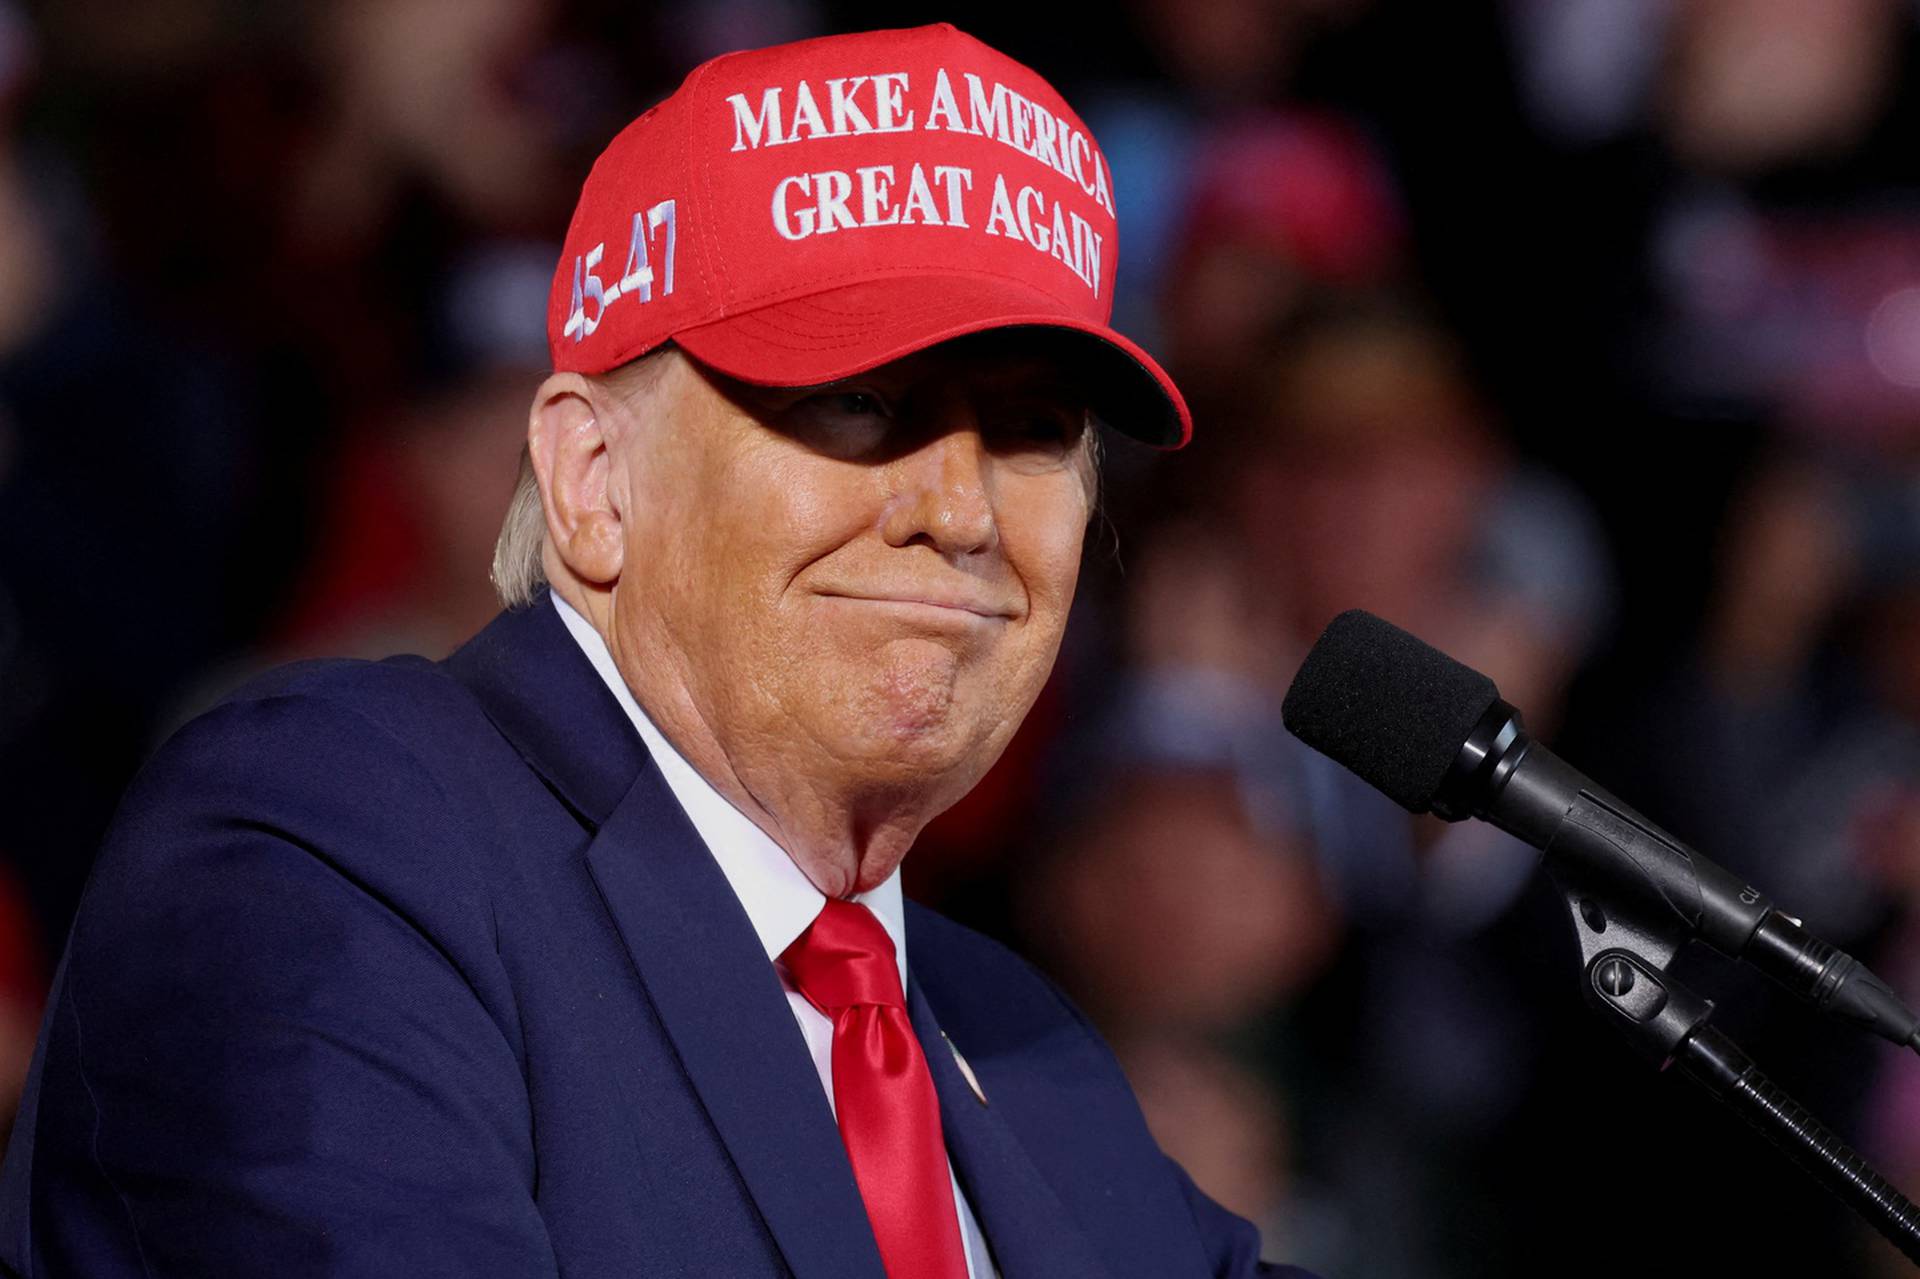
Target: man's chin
{"points": [[932, 763], [916, 715], [928, 753], [904, 692]]}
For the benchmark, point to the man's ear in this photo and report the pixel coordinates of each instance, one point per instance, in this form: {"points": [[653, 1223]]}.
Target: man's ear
{"points": [[568, 441]]}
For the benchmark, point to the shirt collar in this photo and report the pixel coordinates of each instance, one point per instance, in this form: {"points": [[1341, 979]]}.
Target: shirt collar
{"points": [[778, 897]]}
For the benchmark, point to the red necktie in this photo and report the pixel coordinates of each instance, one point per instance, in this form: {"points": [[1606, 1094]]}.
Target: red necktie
{"points": [[883, 1094]]}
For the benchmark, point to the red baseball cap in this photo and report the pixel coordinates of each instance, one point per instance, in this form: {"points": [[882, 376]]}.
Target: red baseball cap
{"points": [[802, 213]]}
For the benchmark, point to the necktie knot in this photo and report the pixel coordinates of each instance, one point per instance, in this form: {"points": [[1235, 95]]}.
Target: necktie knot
{"points": [[845, 959]]}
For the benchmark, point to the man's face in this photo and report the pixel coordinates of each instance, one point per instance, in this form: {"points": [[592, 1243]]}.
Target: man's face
{"points": [[859, 587]]}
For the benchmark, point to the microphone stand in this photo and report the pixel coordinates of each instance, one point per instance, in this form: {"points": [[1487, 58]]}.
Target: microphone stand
{"points": [[1626, 943]]}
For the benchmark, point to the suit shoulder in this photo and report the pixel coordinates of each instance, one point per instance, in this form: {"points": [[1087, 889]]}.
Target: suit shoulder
{"points": [[943, 941], [969, 974], [407, 696], [337, 720], [380, 768]]}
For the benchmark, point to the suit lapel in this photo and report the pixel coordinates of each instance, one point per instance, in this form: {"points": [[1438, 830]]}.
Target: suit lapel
{"points": [[721, 1004], [1025, 1223], [691, 943]]}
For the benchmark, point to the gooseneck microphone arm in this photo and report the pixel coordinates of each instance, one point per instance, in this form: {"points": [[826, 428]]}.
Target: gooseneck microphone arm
{"points": [[1635, 896], [1435, 736], [1505, 777]]}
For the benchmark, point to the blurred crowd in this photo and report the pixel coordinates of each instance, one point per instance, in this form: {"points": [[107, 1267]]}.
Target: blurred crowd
{"points": [[1579, 337]]}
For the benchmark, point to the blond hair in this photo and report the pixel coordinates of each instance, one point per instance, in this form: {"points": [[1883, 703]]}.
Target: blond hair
{"points": [[518, 571]]}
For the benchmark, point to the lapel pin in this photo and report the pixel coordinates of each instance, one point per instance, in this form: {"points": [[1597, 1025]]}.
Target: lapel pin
{"points": [[966, 1071]]}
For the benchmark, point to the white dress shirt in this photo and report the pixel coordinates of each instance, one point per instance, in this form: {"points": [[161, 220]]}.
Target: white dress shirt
{"points": [[779, 899]]}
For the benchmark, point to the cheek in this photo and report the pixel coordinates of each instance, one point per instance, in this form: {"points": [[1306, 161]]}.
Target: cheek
{"points": [[792, 509], [730, 545], [1042, 537]]}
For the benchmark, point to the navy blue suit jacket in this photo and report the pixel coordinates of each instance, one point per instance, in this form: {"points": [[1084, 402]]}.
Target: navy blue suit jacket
{"points": [[418, 969]]}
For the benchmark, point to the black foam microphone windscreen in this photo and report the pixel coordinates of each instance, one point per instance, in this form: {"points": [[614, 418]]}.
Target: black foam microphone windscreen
{"points": [[1390, 707]]}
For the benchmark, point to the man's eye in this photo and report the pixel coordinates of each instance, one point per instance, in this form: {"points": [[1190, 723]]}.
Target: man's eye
{"points": [[840, 405], [1046, 434], [859, 403], [844, 424], [1048, 429]]}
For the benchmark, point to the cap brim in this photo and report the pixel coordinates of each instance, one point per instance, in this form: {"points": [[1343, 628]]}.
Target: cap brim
{"points": [[851, 328]]}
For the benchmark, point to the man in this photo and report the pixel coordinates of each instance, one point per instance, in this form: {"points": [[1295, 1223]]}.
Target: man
{"points": [[583, 951]]}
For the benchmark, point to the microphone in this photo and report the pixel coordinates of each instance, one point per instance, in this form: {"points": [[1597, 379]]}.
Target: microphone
{"points": [[1434, 735]]}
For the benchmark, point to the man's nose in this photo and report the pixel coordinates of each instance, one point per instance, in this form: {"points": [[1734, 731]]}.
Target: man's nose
{"points": [[944, 496]]}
